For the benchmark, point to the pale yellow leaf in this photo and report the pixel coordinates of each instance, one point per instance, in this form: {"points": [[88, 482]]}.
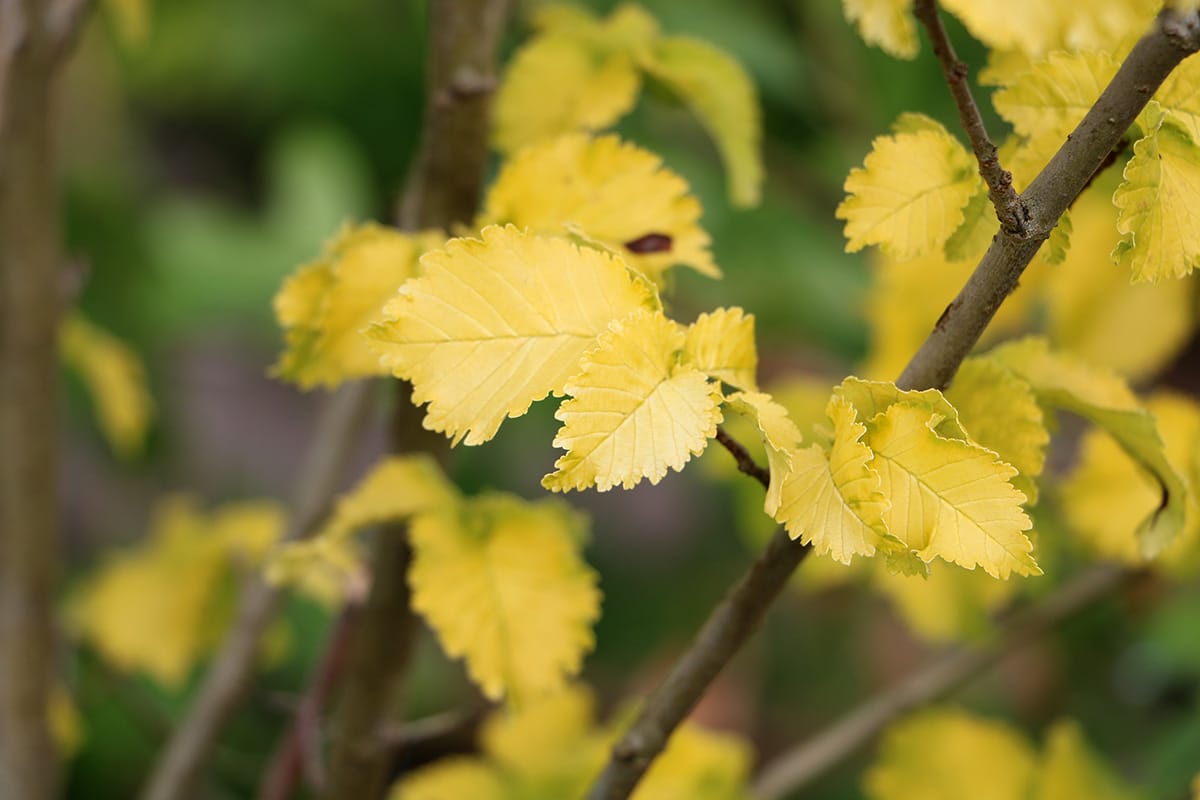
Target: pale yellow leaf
{"points": [[1036, 27], [721, 94], [325, 306], [909, 195], [1180, 95], [1158, 203], [453, 778], [834, 500], [1001, 412], [494, 324], [115, 378], [779, 435], [1070, 770], [886, 24], [616, 193], [1103, 398], [1096, 313], [721, 345], [872, 398], [946, 754], [635, 410], [698, 764], [502, 584], [949, 604], [950, 499]]}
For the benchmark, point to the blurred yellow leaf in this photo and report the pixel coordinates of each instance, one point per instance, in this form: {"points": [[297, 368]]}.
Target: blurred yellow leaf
{"points": [[721, 345], [615, 193], [114, 377], [698, 765], [131, 19], [1069, 770], [886, 24], [909, 195], [949, 604], [453, 778], [502, 584], [635, 410], [65, 722], [494, 324], [325, 306]]}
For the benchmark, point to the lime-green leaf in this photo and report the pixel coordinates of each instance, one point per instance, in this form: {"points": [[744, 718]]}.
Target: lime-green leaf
{"points": [[1158, 203], [635, 409], [721, 345], [909, 195], [722, 95], [950, 498], [1104, 399], [502, 584], [494, 324], [615, 193]]}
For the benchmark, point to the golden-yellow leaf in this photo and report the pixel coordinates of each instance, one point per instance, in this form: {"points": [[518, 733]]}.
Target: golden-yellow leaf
{"points": [[494, 324], [614, 192], [721, 345], [502, 584], [950, 498], [779, 434], [886, 24], [453, 778], [722, 96], [325, 306], [115, 378], [833, 500], [635, 409]]}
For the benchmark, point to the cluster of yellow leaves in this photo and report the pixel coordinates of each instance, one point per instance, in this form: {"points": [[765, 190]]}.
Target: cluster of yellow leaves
{"points": [[324, 306], [500, 580], [114, 377], [161, 605], [496, 323], [552, 749], [583, 73], [946, 754]]}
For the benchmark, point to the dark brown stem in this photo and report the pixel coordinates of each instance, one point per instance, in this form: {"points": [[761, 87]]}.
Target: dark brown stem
{"points": [[943, 675], [745, 462], [443, 190], [1173, 38], [179, 773], [999, 180]]}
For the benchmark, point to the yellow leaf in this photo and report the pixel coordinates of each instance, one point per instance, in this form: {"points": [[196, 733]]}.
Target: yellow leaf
{"points": [[1157, 202], [834, 500], [131, 18], [950, 755], [1094, 312], [494, 324], [886, 24], [1180, 95], [698, 765], [1035, 27], [325, 306], [949, 604], [1001, 412], [635, 409], [950, 498], [721, 345], [909, 195], [453, 778], [1104, 399], [64, 721], [1070, 770], [578, 73], [779, 434], [1107, 495], [616, 193], [872, 398], [248, 528], [722, 96], [115, 378], [151, 607], [502, 584]]}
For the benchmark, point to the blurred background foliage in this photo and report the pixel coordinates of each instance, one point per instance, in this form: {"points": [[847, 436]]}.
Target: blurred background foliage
{"points": [[205, 161]]}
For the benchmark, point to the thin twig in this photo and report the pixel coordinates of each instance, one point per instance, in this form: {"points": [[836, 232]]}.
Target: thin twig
{"points": [[745, 462], [1009, 209], [178, 775], [796, 768], [1173, 38]]}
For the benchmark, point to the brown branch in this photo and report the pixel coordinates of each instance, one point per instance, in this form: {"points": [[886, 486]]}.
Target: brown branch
{"points": [[1173, 38], [178, 775], [1009, 208], [943, 675], [443, 190], [745, 462]]}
